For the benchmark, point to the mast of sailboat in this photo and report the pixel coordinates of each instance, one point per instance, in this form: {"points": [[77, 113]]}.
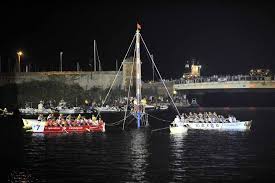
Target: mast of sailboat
{"points": [[152, 57], [94, 56], [138, 76]]}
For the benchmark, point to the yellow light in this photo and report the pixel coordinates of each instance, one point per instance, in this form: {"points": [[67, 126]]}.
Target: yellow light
{"points": [[174, 92], [20, 53]]}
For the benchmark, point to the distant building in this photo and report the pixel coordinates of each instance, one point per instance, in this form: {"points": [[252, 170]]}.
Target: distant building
{"points": [[128, 68], [192, 70]]}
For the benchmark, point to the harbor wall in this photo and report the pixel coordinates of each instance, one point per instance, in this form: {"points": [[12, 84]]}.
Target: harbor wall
{"points": [[74, 87], [86, 80], [157, 88], [17, 89]]}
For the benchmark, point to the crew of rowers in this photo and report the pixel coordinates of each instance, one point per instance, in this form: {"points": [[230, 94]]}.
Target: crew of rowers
{"points": [[206, 117], [69, 121]]}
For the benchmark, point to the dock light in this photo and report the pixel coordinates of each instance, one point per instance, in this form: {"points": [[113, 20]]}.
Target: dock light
{"points": [[175, 92], [86, 101]]}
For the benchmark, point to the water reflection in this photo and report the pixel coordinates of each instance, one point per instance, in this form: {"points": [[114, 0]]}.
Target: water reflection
{"points": [[208, 155], [21, 175], [177, 156], [139, 154]]}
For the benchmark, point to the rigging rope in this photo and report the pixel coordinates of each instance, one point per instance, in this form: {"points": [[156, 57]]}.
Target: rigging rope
{"points": [[118, 122], [129, 90], [159, 129], [159, 75], [130, 121], [116, 75], [99, 63], [158, 118]]}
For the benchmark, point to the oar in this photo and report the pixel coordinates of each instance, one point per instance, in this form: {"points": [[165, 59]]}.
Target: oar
{"points": [[64, 129]]}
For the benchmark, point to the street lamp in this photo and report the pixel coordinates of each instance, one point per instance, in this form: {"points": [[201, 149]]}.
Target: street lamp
{"points": [[61, 53], [19, 53]]}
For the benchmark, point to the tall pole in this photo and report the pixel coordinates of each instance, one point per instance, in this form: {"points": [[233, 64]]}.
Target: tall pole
{"points": [[19, 68], [138, 76], [94, 56], [152, 56], [19, 53], [116, 65], [61, 53], [77, 66]]}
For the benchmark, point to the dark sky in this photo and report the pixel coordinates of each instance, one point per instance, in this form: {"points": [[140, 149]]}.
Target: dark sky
{"points": [[227, 38]]}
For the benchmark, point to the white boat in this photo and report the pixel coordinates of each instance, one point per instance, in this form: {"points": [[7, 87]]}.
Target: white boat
{"points": [[237, 125], [65, 110], [178, 129], [177, 126], [28, 111], [108, 108]]}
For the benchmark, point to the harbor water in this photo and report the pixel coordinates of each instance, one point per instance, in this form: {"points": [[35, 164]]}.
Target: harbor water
{"points": [[143, 155]]}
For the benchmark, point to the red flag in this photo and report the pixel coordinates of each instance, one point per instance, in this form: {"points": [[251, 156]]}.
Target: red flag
{"points": [[138, 26]]}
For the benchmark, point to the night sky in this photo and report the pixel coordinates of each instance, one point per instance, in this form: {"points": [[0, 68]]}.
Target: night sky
{"points": [[226, 38]]}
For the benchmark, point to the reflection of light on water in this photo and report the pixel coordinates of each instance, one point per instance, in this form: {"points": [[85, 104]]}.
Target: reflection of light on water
{"points": [[139, 154], [177, 155], [178, 136], [21, 175], [38, 135]]}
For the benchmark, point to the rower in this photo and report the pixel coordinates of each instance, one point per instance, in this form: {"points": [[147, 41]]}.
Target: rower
{"points": [[94, 122], [40, 117], [78, 117], [182, 118], [49, 117], [177, 120], [69, 117], [100, 120], [230, 119]]}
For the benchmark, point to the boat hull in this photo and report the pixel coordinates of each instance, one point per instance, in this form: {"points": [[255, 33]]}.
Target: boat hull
{"points": [[37, 128], [41, 127], [240, 125], [29, 122], [178, 129]]}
